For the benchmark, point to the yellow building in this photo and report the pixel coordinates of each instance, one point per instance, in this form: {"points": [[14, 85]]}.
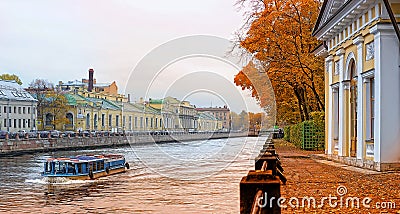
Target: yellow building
{"points": [[177, 115], [223, 114], [362, 79], [207, 122]]}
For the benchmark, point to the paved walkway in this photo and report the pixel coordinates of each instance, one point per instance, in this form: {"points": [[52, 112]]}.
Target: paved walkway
{"points": [[334, 186]]}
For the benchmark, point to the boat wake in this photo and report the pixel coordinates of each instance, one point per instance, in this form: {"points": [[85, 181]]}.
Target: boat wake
{"points": [[57, 181]]}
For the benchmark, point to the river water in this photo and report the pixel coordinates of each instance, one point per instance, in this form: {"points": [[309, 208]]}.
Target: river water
{"points": [[184, 177]]}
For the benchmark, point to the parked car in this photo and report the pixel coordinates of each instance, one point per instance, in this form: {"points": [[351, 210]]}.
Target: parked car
{"points": [[56, 134], [33, 134], [70, 133], [3, 134], [94, 133], [44, 134], [21, 133], [84, 133]]}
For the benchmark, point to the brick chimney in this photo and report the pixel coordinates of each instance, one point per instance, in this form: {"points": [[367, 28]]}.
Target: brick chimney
{"points": [[90, 85]]}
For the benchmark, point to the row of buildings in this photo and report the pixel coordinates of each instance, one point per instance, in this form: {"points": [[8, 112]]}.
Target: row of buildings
{"points": [[96, 106]]}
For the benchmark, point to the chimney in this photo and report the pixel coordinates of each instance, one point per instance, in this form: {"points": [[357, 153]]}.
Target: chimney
{"points": [[90, 86], [129, 98]]}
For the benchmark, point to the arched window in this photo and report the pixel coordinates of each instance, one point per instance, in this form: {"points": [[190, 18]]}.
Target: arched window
{"points": [[353, 108], [70, 118], [95, 121], [49, 119], [87, 121]]}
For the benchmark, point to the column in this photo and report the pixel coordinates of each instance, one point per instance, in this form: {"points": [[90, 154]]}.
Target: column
{"points": [[387, 98], [344, 86], [335, 91], [359, 41], [330, 123]]}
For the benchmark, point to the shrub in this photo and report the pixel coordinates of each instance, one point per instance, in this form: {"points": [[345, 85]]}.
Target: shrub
{"points": [[308, 134]]}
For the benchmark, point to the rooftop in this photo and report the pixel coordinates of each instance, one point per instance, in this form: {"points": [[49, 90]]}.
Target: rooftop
{"points": [[11, 90]]}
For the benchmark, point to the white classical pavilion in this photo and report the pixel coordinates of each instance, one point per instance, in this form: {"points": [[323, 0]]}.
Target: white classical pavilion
{"points": [[362, 82]]}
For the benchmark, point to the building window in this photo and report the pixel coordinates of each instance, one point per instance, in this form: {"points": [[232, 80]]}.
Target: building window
{"points": [[23, 110], [5, 109], [353, 109], [103, 120], [336, 114], [136, 122], [110, 120], [160, 123], [95, 120], [151, 122], [15, 109], [9, 109], [147, 122], [117, 120], [372, 104], [130, 122], [155, 125], [88, 121], [29, 123], [9, 122], [23, 123], [123, 121], [70, 118], [29, 110], [15, 123], [5, 122], [141, 122], [19, 110]]}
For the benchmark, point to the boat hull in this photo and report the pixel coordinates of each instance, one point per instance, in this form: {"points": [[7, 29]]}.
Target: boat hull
{"points": [[56, 178]]}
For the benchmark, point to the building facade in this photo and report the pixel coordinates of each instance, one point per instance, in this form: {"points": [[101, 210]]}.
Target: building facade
{"points": [[221, 113], [177, 115], [17, 108], [362, 80], [207, 122]]}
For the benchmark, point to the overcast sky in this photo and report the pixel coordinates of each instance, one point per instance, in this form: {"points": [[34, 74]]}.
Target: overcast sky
{"points": [[60, 39]]}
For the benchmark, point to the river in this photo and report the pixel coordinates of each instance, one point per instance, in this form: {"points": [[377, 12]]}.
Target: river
{"points": [[184, 177]]}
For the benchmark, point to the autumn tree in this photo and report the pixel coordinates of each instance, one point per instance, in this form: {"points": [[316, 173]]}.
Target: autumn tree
{"points": [[51, 102], [56, 105], [277, 37], [256, 120], [240, 121], [11, 77]]}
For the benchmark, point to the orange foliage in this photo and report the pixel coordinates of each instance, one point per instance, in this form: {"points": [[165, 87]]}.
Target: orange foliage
{"points": [[279, 38]]}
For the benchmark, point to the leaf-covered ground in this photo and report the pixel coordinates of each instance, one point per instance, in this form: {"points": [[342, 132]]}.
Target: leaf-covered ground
{"points": [[311, 178]]}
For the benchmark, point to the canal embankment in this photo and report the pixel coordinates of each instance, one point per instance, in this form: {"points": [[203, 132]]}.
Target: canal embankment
{"points": [[36, 145]]}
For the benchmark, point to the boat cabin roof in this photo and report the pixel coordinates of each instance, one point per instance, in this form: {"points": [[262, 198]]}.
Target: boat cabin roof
{"points": [[84, 158]]}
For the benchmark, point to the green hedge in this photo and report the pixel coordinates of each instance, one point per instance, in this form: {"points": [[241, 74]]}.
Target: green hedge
{"points": [[309, 134], [286, 130]]}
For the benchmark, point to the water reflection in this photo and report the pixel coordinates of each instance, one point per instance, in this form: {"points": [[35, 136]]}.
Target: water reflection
{"points": [[139, 190]]}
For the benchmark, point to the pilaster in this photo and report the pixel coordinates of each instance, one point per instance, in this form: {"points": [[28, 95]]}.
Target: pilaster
{"points": [[359, 42]]}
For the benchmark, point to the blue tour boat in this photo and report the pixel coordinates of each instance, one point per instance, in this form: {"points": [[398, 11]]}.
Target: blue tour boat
{"points": [[84, 167]]}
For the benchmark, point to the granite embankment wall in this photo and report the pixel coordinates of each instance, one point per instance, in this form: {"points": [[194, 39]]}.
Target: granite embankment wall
{"points": [[21, 146]]}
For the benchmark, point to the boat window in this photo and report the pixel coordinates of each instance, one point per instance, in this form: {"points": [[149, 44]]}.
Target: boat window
{"points": [[101, 167], [90, 167], [60, 167], [47, 167], [79, 168], [70, 168]]}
